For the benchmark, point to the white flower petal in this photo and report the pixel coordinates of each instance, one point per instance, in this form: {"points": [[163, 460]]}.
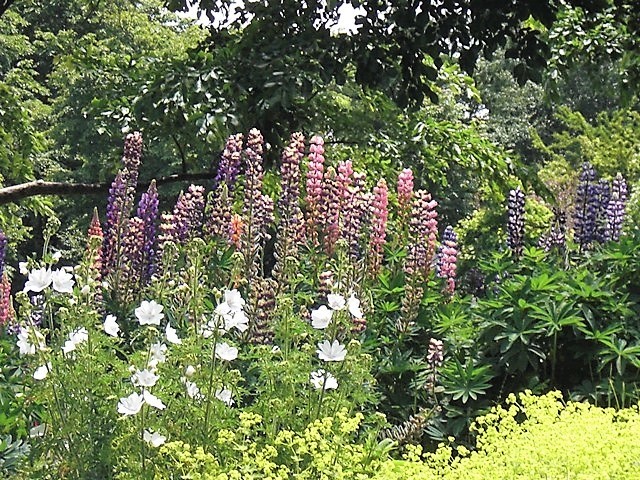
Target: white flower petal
{"points": [[336, 301], [234, 300], [38, 280], [225, 352], [110, 326], [354, 307], [321, 379], [153, 438], [62, 281], [172, 335], [153, 400], [42, 371], [225, 396], [144, 378], [331, 352], [149, 313], [130, 405], [321, 317]]}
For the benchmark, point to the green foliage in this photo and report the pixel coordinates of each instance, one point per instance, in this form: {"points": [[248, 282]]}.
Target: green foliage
{"points": [[536, 438]]}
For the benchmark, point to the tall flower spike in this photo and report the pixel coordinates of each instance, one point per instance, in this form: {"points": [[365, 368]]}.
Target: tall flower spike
{"points": [[131, 158], [586, 207], [405, 189], [329, 210], [380, 212], [3, 251], [423, 232], [616, 208], [515, 225], [188, 214], [355, 212], [603, 195], [229, 166], [133, 265], [315, 171], [556, 237], [148, 213], [447, 257], [7, 314]]}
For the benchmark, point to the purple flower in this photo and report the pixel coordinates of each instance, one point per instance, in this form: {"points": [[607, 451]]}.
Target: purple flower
{"points": [[188, 214], [616, 208], [423, 231], [289, 202], [380, 211], [315, 186], [148, 213], [447, 257], [515, 224], [586, 207], [229, 166]]}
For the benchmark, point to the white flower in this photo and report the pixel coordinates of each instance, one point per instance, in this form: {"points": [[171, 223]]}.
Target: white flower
{"points": [[76, 337], [192, 390], [353, 304], [321, 317], [224, 395], [153, 400], [335, 301], [42, 371], [172, 336], [85, 290], [158, 355], [29, 339], [223, 309], [320, 378], [149, 313], [22, 266], [144, 378], [331, 352], [275, 349], [130, 405], [154, 439], [38, 430], [38, 280], [110, 326], [57, 256], [234, 300], [190, 371], [238, 320], [225, 352], [62, 281]]}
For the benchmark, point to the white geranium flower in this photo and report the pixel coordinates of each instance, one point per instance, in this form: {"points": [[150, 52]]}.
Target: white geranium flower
{"points": [[76, 337], [353, 304], [331, 352], [192, 390], [62, 281], [190, 371], [30, 339], [320, 378], [149, 313], [223, 309], [86, 290], [238, 320], [38, 280], [172, 335], [234, 300], [110, 326], [321, 317], [57, 256], [225, 352], [153, 400], [225, 396], [42, 371], [336, 301], [158, 354], [144, 378], [154, 438], [130, 405]]}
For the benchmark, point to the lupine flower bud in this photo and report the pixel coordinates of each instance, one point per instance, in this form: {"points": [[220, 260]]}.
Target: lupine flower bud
{"points": [[586, 207], [315, 169], [131, 159], [379, 223], [435, 354], [616, 208], [515, 225], [447, 257]]}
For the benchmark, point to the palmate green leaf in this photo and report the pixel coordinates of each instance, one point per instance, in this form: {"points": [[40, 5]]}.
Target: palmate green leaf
{"points": [[466, 381]]}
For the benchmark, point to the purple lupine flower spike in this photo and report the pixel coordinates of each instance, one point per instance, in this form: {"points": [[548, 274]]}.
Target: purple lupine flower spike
{"points": [[586, 207], [354, 213], [515, 225], [229, 166], [289, 202], [115, 218], [447, 258], [616, 208], [423, 228], [188, 213], [3, 251], [132, 157], [133, 264], [315, 187], [603, 195], [148, 213]]}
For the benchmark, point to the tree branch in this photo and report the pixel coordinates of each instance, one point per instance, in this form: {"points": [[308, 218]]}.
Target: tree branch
{"points": [[14, 193]]}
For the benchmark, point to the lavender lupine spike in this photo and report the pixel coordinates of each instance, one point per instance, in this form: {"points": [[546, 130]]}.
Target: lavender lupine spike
{"points": [[148, 212], [515, 224], [315, 186], [115, 219], [354, 213], [289, 202], [380, 211], [188, 214], [218, 213], [586, 207], [423, 230], [616, 208], [3, 251], [131, 158], [229, 166], [603, 195], [447, 258], [133, 265]]}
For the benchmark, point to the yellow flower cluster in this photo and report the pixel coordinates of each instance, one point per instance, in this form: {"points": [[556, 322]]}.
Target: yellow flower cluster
{"points": [[536, 437]]}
